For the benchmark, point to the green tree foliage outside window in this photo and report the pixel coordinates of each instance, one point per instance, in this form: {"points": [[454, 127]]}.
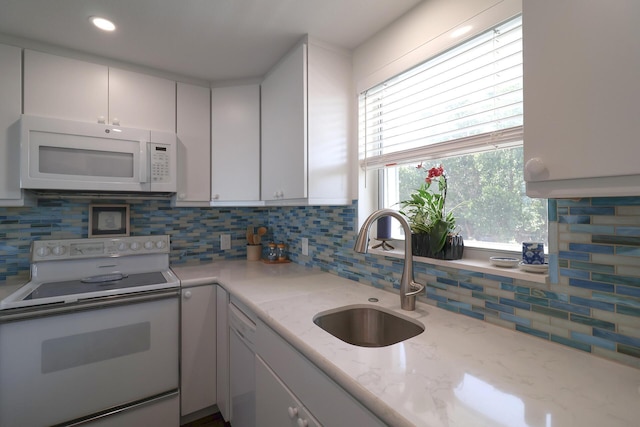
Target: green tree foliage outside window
{"points": [[490, 190]]}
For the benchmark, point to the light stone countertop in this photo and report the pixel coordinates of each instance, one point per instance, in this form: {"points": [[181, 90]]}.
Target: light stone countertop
{"points": [[12, 284], [459, 372]]}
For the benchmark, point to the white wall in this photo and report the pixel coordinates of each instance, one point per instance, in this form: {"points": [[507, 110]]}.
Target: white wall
{"points": [[422, 33]]}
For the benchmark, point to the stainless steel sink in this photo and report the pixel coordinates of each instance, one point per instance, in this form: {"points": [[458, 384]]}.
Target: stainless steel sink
{"points": [[367, 326]]}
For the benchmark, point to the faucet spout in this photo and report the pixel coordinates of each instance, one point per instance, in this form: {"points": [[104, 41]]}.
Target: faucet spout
{"points": [[408, 288]]}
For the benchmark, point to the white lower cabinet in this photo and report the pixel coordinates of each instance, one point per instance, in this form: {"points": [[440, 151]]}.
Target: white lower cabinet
{"points": [[292, 381], [277, 405], [198, 349]]}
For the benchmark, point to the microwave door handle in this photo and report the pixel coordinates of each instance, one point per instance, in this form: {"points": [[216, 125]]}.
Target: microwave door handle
{"points": [[144, 159]]}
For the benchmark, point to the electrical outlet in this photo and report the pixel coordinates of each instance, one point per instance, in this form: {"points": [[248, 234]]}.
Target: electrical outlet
{"points": [[225, 241], [305, 246]]}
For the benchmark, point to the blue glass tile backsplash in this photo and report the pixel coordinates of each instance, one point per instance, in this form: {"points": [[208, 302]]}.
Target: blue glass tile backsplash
{"points": [[592, 304], [195, 232]]}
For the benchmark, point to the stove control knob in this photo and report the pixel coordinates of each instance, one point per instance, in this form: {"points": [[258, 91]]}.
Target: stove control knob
{"points": [[58, 250], [43, 251], [135, 246], [122, 246], [160, 244], [148, 245]]}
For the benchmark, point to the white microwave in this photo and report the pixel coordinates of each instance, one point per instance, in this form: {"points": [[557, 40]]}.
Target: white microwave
{"points": [[66, 155]]}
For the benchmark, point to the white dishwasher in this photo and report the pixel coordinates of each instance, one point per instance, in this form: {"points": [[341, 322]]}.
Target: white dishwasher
{"points": [[242, 376]]}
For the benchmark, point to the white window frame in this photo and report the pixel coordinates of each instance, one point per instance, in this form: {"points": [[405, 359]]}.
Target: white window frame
{"points": [[503, 138]]}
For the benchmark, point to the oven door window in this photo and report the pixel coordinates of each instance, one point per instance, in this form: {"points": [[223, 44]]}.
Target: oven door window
{"points": [[71, 351]]}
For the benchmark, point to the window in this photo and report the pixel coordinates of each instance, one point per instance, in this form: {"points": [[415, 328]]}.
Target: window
{"points": [[461, 109]]}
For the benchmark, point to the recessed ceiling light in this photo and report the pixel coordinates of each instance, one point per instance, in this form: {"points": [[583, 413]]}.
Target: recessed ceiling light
{"points": [[102, 23], [461, 31]]}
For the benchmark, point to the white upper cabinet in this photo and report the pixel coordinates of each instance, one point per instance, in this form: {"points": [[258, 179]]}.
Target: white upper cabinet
{"points": [[235, 145], [194, 145], [10, 109], [142, 101], [305, 127], [65, 88], [71, 89], [581, 91], [284, 128]]}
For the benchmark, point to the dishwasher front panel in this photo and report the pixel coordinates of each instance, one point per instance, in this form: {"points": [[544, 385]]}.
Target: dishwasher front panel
{"points": [[242, 369]]}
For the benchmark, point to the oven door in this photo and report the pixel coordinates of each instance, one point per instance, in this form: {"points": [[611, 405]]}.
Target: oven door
{"points": [[67, 363], [64, 155]]}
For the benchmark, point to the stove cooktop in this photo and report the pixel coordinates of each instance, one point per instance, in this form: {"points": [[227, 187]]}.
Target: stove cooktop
{"points": [[74, 287], [71, 270]]}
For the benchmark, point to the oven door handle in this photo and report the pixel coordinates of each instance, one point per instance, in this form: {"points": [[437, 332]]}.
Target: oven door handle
{"points": [[120, 409], [33, 312]]}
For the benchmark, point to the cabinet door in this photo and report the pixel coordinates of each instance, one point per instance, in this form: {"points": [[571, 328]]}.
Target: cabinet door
{"points": [[330, 403], [193, 144], [235, 143], [284, 128], [329, 110], [10, 94], [275, 403], [142, 101], [581, 67], [222, 352], [64, 88], [198, 349]]}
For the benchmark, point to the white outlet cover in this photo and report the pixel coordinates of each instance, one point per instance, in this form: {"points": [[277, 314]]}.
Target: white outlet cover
{"points": [[225, 241], [305, 246]]}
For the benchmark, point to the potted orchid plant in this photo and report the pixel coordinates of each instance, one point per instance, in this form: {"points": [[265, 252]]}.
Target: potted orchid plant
{"points": [[433, 227]]}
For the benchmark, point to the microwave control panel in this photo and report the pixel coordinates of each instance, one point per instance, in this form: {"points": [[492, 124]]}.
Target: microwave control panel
{"points": [[160, 160]]}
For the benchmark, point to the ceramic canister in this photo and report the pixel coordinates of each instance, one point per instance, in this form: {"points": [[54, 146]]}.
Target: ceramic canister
{"points": [[533, 253]]}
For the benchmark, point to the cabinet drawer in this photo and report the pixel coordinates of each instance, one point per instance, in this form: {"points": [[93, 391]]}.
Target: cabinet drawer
{"points": [[325, 399], [276, 405]]}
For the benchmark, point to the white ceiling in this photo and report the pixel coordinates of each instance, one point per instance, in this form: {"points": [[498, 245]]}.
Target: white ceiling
{"points": [[205, 39]]}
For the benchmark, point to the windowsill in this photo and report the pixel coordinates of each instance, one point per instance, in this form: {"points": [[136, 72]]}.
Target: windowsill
{"points": [[475, 259]]}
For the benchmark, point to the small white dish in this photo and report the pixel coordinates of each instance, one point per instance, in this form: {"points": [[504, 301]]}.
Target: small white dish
{"points": [[535, 268], [506, 262]]}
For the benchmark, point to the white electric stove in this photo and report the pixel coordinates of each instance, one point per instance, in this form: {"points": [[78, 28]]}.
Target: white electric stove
{"points": [[93, 338]]}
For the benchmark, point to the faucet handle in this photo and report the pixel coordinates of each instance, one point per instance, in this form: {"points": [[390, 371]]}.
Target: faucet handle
{"points": [[418, 289]]}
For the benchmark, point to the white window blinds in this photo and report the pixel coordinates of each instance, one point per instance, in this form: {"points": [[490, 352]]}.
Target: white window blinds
{"points": [[468, 99]]}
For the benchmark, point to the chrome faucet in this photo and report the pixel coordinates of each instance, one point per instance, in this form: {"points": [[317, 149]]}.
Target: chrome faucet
{"points": [[408, 288]]}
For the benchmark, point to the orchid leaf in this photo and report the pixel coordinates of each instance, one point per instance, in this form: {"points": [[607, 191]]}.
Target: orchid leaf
{"points": [[438, 236]]}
